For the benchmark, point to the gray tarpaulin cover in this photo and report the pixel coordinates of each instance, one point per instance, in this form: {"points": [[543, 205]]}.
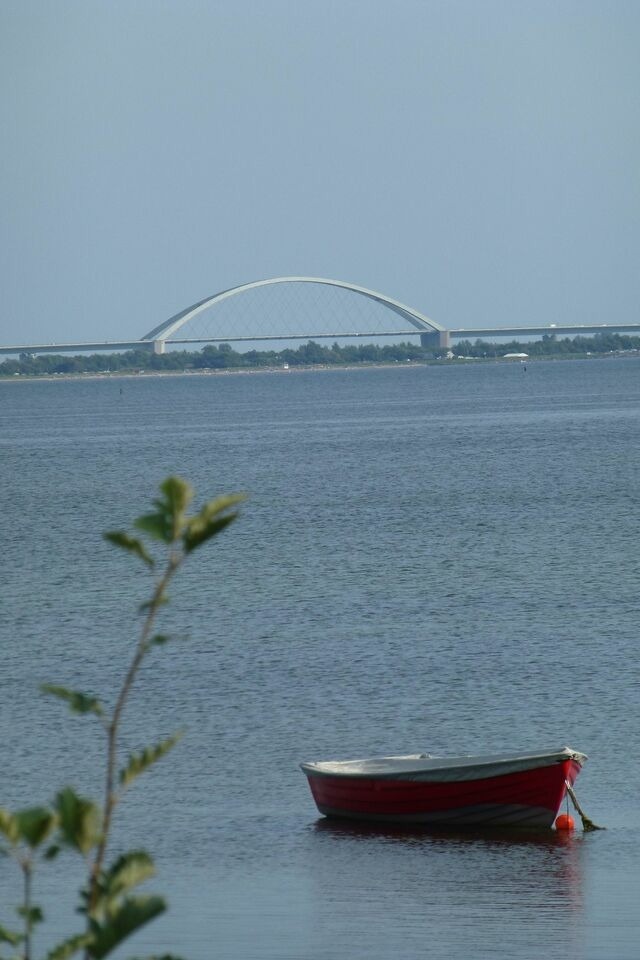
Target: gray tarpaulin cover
{"points": [[422, 766]]}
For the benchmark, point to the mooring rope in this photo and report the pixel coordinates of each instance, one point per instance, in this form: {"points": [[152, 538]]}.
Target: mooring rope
{"points": [[587, 822]]}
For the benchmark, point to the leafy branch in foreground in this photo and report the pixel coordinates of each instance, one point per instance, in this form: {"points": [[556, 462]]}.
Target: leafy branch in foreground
{"points": [[112, 912]]}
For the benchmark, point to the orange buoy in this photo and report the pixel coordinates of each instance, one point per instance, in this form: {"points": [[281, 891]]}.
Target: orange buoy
{"points": [[564, 822]]}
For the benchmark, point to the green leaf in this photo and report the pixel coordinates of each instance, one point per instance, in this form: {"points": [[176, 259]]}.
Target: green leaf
{"points": [[212, 519], [65, 950], [52, 852], [156, 526], [78, 702], [139, 762], [156, 956], [213, 508], [8, 936], [129, 916], [128, 871], [159, 640], [35, 824], [80, 820], [168, 520], [198, 533], [9, 827], [178, 494], [32, 915], [132, 544]]}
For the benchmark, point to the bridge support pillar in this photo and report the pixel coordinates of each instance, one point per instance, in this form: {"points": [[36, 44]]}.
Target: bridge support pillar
{"points": [[158, 346], [438, 340]]}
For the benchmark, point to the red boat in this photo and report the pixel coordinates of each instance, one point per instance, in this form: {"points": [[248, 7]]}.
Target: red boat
{"points": [[515, 790]]}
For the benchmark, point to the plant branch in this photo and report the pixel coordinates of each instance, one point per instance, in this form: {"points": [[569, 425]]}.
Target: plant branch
{"points": [[26, 870], [110, 796]]}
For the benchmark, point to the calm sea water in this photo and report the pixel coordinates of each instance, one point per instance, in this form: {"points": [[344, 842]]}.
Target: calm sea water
{"points": [[439, 559]]}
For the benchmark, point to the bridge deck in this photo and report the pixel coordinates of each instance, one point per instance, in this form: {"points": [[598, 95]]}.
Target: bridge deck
{"points": [[457, 334]]}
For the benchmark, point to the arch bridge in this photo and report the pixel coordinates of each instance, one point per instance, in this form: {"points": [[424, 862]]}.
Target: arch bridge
{"points": [[431, 333]]}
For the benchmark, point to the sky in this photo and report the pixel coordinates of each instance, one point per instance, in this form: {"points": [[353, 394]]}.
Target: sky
{"points": [[478, 160]]}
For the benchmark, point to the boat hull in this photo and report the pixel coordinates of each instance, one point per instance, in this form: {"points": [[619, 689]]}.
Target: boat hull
{"points": [[527, 798]]}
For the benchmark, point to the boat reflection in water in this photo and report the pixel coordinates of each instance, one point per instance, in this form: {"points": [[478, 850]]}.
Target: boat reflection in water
{"points": [[480, 894]]}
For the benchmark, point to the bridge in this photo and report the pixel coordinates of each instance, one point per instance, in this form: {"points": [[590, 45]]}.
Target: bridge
{"points": [[414, 323]]}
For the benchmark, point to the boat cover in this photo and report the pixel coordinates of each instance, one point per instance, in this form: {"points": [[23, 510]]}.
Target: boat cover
{"points": [[424, 767]]}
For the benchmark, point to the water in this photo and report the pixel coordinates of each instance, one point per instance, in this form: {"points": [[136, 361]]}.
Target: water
{"points": [[439, 559]]}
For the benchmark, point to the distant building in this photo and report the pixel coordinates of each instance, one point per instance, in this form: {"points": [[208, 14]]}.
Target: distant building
{"points": [[515, 356]]}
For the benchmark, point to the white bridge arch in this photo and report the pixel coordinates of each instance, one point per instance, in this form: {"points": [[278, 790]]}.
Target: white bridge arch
{"points": [[433, 332]]}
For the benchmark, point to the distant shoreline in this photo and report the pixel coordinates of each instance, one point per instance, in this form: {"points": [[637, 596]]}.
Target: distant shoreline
{"points": [[308, 368]]}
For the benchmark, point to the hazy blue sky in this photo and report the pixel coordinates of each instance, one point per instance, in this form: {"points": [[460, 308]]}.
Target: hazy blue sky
{"points": [[476, 159]]}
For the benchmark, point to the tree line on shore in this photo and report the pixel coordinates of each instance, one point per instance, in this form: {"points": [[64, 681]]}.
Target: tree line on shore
{"points": [[224, 357]]}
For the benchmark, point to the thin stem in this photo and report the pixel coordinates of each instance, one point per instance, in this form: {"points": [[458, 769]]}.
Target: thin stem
{"points": [[26, 870], [110, 796]]}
